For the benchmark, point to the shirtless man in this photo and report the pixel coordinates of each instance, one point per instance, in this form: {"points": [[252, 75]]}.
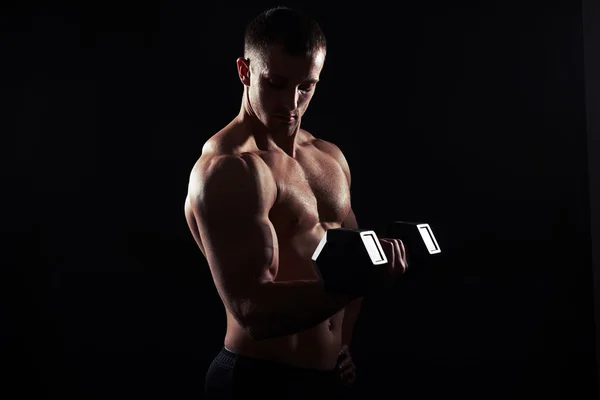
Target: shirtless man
{"points": [[260, 198]]}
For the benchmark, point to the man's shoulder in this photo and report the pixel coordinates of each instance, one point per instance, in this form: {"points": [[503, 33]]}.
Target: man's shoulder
{"points": [[225, 153], [221, 143], [230, 178], [332, 150], [215, 160], [329, 148]]}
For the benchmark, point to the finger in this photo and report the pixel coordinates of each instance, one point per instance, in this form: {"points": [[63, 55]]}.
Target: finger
{"points": [[352, 378], [344, 363], [404, 254], [344, 352], [388, 249], [348, 373], [400, 251], [349, 368]]}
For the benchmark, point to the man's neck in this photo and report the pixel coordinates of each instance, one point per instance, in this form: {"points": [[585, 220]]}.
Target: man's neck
{"points": [[266, 140]]}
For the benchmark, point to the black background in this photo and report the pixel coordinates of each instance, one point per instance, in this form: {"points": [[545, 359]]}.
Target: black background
{"points": [[467, 115]]}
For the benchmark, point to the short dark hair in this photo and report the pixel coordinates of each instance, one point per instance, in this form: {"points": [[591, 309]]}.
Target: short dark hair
{"points": [[298, 33]]}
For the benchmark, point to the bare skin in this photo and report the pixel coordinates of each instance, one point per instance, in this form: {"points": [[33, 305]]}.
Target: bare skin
{"points": [[260, 225], [308, 203]]}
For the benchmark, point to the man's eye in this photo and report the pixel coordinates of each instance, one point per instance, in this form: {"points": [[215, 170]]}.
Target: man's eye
{"points": [[307, 88], [276, 85]]}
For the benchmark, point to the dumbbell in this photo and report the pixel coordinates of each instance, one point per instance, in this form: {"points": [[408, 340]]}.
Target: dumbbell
{"points": [[418, 239], [347, 260]]}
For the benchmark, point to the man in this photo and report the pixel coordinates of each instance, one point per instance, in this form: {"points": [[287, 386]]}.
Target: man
{"points": [[260, 198]]}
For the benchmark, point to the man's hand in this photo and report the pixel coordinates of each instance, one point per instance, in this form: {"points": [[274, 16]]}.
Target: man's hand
{"points": [[345, 367]]}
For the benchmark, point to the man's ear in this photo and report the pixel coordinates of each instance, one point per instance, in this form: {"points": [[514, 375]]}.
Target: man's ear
{"points": [[243, 68]]}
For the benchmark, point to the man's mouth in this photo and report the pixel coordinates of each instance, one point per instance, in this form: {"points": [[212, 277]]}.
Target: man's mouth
{"points": [[287, 118]]}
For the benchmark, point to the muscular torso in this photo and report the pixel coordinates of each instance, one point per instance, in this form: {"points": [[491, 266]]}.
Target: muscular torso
{"points": [[313, 196]]}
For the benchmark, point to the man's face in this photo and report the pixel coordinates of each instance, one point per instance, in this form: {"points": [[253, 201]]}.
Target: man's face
{"points": [[281, 87]]}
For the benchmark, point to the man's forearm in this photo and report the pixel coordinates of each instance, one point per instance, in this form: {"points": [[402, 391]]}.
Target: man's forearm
{"points": [[351, 313], [285, 308]]}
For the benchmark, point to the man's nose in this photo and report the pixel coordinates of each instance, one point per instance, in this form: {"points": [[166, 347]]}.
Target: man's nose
{"points": [[290, 99]]}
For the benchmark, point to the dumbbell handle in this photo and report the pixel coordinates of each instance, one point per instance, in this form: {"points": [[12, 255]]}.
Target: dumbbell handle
{"points": [[419, 237]]}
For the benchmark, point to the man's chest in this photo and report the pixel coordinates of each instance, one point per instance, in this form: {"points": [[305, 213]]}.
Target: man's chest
{"points": [[312, 189]]}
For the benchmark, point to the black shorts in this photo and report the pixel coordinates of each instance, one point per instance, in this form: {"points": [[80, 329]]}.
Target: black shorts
{"points": [[231, 376]]}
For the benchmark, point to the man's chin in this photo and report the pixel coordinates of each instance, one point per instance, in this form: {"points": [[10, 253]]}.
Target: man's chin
{"points": [[282, 126]]}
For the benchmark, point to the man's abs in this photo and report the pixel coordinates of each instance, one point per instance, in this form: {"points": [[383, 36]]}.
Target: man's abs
{"points": [[315, 348]]}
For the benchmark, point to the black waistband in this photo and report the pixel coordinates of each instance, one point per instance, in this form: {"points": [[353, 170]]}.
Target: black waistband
{"points": [[232, 360]]}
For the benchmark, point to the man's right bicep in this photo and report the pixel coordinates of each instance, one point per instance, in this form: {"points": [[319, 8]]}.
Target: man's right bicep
{"points": [[231, 200]]}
